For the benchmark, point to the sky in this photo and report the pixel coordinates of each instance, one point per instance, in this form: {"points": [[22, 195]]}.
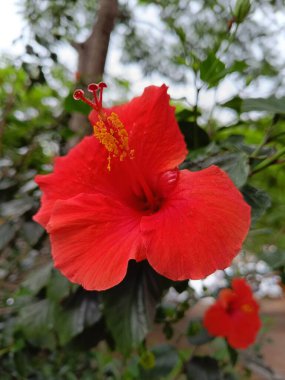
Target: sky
{"points": [[11, 25]]}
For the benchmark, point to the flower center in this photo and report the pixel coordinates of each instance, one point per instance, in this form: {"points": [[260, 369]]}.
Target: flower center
{"points": [[112, 134], [149, 199], [246, 308], [109, 130]]}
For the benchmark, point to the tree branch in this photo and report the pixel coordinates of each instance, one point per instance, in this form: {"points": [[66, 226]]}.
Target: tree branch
{"points": [[92, 55]]}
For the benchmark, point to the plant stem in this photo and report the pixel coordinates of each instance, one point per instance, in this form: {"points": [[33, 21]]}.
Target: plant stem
{"points": [[269, 161], [266, 138]]}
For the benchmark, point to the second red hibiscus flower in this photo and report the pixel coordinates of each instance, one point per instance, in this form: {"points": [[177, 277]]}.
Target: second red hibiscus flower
{"points": [[234, 315]]}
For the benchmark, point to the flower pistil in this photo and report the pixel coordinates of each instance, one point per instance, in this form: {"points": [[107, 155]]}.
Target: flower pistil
{"points": [[109, 130]]}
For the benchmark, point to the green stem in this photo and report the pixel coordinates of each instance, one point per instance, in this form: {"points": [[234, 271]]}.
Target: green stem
{"points": [[198, 89], [266, 138], [230, 40], [269, 161], [274, 137]]}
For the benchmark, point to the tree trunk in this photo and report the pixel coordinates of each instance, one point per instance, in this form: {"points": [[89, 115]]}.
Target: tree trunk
{"points": [[92, 56]]}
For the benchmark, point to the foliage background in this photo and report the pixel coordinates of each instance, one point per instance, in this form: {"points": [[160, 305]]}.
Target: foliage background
{"points": [[52, 329]]}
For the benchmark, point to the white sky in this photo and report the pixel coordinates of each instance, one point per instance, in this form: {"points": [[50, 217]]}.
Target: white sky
{"points": [[11, 25]]}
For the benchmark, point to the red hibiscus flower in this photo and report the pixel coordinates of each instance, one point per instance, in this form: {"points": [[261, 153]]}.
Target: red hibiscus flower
{"points": [[234, 315], [118, 195]]}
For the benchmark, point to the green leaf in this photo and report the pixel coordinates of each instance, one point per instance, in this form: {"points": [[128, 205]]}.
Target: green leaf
{"points": [[38, 278], [275, 259], [268, 161], [181, 34], [58, 286], [197, 334], [7, 183], [212, 70], [130, 306], [36, 322], [203, 368], [82, 311], [238, 66], [233, 354], [179, 60], [271, 104], [186, 114], [168, 330], [33, 232], [195, 136], [259, 201], [15, 208], [147, 359], [72, 105], [7, 233], [165, 360], [235, 164], [180, 286], [234, 103]]}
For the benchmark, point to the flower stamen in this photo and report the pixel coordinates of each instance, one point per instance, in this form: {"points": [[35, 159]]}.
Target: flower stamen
{"points": [[79, 95], [101, 85], [109, 130], [247, 308]]}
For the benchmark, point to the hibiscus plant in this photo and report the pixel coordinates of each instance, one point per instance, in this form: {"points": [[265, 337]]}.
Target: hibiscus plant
{"points": [[108, 242]]}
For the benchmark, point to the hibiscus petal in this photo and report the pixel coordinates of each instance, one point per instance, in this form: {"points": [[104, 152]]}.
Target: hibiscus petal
{"points": [[217, 321], [244, 328], [244, 293], [93, 237], [74, 173], [153, 131], [199, 228], [43, 215], [82, 170]]}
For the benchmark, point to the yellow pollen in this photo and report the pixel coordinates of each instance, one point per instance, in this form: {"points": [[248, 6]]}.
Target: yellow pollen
{"points": [[247, 308], [111, 133]]}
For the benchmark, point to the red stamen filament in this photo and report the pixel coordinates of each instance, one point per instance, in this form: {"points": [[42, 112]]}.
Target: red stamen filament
{"points": [[101, 85], [97, 100], [94, 88]]}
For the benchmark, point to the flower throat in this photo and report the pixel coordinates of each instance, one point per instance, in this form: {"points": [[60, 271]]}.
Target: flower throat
{"points": [[109, 129], [111, 133]]}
